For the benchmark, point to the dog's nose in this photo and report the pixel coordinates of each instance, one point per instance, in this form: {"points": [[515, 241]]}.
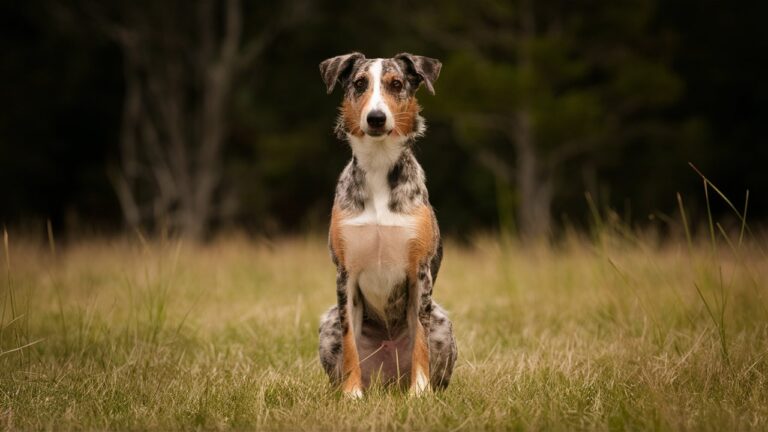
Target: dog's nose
{"points": [[376, 118]]}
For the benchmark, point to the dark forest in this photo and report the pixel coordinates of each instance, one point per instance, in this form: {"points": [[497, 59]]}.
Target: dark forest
{"points": [[618, 99]]}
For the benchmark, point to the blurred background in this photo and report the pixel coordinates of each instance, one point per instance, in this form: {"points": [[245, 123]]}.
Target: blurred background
{"points": [[202, 116]]}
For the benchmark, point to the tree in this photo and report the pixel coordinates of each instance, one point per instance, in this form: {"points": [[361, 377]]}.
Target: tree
{"points": [[534, 86], [182, 61]]}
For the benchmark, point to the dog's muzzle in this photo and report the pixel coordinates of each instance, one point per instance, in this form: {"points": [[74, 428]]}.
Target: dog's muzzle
{"points": [[376, 120]]}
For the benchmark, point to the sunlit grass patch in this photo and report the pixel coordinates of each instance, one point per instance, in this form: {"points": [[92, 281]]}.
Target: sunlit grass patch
{"points": [[590, 334]]}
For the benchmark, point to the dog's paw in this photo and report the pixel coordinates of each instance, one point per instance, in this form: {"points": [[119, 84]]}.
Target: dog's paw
{"points": [[352, 387], [353, 393], [419, 386]]}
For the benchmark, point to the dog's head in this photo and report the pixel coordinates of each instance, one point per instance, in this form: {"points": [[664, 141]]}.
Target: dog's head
{"points": [[379, 94]]}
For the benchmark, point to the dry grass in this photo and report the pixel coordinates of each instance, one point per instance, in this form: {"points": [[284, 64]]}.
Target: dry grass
{"points": [[610, 334]]}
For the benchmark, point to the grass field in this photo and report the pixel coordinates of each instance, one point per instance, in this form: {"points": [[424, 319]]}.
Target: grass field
{"points": [[608, 334]]}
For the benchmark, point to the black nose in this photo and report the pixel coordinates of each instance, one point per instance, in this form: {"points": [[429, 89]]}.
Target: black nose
{"points": [[376, 118]]}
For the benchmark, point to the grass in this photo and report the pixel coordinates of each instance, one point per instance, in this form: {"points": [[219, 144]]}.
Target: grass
{"points": [[622, 331]]}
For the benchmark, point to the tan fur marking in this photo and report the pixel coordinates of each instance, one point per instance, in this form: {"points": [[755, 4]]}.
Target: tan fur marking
{"points": [[351, 110], [336, 237], [405, 118], [405, 111], [388, 77], [375, 246], [419, 249], [350, 363], [420, 355], [422, 244]]}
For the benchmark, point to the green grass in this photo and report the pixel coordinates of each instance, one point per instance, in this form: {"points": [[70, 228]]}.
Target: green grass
{"points": [[617, 332]]}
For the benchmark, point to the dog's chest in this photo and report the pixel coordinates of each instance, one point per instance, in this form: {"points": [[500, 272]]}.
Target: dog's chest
{"points": [[377, 246]]}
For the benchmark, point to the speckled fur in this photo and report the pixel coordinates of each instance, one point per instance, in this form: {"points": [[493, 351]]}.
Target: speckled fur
{"points": [[350, 189], [409, 305], [442, 346]]}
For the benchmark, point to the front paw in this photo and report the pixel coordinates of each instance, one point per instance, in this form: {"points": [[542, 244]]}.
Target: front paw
{"points": [[420, 385], [352, 389], [354, 394]]}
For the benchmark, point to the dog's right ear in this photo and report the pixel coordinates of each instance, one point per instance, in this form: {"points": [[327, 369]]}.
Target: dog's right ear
{"points": [[337, 69]]}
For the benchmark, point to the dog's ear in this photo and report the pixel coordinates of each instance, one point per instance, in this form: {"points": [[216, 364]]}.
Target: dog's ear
{"points": [[423, 68], [337, 69]]}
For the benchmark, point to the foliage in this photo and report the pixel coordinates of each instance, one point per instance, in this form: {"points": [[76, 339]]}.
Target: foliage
{"points": [[620, 96]]}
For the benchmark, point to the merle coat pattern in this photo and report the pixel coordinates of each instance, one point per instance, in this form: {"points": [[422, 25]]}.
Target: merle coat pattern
{"points": [[384, 238]]}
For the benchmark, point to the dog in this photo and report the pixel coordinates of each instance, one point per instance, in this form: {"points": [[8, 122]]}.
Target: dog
{"points": [[384, 238]]}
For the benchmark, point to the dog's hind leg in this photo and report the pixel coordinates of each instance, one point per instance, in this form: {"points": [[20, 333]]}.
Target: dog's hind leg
{"points": [[330, 345], [419, 313], [349, 308], [442, 348]]}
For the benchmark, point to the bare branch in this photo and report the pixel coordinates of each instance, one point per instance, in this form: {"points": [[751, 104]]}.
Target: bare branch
{"points": [[207, 29], [568, 151], [254, 49], [178, 85], [124, 192], [294, 11], [233, 27], [497, 166]]}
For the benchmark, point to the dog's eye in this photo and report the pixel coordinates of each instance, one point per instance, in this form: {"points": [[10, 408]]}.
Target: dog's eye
{"points": [[397, 85], [360, 84]]}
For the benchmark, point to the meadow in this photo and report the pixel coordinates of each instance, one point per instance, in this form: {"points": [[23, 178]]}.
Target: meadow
{"points": [[615, 331]]}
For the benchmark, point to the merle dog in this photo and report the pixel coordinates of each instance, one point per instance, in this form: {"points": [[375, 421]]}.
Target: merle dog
{"points": [[384, 238]]}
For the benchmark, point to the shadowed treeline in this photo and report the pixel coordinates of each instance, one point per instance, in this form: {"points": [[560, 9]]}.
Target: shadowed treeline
{"points": [[203, 115]]}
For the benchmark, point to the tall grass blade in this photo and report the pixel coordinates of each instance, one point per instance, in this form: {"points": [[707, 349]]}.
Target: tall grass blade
{"points": [[742, 216], [726, 237], [2, 353], [722, 195], [51, 241], [11, 297], [710, 223], [685, 224], [723, 348], [595, 211], [749, 273], [744, 219], [8, 284], [723, 305]]}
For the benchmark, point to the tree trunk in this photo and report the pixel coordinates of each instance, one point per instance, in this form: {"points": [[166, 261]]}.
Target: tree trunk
{"points": [[534, 212], [532, 178], [178, 85]]}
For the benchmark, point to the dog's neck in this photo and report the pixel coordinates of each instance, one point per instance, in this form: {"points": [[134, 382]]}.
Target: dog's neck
{"points": [[377, 155], [376, 158], [383, 176]]}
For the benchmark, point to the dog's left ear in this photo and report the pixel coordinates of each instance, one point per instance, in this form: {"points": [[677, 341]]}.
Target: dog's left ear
{"points": [[424, 68]]}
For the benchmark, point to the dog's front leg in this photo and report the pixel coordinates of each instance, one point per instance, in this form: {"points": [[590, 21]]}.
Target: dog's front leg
{"points": [[348, 316], [419, 312]]}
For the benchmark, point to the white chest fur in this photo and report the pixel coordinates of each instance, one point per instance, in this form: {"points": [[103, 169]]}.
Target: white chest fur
{"points": [[376, 240]]}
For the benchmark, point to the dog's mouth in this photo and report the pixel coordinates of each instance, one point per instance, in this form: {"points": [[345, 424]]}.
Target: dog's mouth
{"points": [[378, 132]]}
